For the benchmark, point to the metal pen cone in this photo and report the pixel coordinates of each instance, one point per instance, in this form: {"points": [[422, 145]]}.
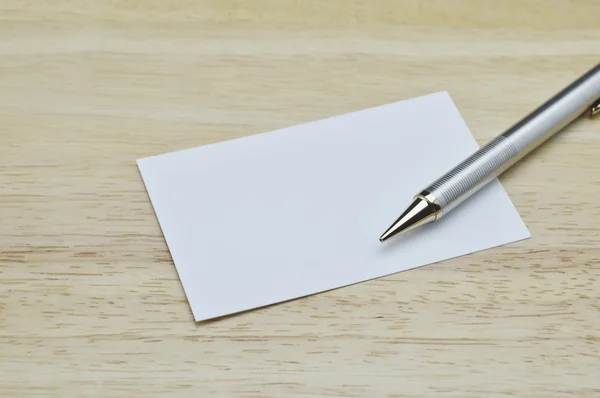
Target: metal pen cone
{"points": [[420, 212]]}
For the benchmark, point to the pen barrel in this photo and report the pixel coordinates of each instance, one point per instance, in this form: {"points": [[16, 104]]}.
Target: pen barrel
{"points": [[472, 174], [493, 159]]}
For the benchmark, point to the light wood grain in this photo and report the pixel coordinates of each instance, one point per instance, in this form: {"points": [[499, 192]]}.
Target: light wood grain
{"points": [[90, 302]]}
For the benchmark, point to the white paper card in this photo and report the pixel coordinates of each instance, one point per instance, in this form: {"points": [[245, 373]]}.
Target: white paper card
{"points": [[296, 211]]}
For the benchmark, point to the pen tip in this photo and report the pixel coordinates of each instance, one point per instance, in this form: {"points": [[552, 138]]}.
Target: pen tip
{"points": [[418, 213]]}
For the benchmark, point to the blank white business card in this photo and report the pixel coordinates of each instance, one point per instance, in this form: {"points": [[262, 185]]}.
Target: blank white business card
{"points": [[297, 211]]}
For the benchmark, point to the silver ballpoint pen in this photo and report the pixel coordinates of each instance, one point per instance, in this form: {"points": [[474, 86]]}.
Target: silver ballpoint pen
{"points": [[472, 174]]}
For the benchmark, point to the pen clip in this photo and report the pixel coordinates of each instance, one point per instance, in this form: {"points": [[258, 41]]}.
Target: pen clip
{"points": [[596, 108]]}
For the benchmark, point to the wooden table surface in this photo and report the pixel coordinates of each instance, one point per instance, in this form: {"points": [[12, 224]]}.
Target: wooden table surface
{"points": [[90, 302]]}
